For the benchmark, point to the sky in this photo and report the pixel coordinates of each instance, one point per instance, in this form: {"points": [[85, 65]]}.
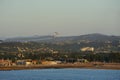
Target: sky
{"points": [[67, 17]]}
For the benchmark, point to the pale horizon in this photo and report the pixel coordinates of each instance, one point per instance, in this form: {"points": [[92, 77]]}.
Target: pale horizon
{"points": [[67, 17]]}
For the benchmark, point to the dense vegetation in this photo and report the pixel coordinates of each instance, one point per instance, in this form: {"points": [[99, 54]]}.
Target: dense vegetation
{"points": [[100, 57], [64, 52]]}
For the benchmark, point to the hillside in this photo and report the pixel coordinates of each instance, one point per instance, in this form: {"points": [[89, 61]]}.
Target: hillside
{"points": [[88, 37]]}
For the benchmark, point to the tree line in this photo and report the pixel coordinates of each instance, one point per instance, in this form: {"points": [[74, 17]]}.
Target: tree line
{"points": [[99, 57]]}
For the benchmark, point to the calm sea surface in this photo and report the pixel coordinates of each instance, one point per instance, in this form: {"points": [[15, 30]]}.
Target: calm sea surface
{"points": [[61, 74]]}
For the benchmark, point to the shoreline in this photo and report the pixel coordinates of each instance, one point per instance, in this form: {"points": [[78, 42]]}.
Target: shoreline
{"points": [[112, 66]]}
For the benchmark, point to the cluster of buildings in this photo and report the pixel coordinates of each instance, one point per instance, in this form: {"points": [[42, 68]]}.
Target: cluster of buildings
{"points": [[18, 62], [29, 62], [5, 62]]}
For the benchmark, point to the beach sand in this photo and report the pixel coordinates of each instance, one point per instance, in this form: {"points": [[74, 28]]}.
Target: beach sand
{"points": [[115, 66]]}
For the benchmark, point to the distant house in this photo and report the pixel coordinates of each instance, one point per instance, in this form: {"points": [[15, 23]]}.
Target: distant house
{"points": [[5, 62], [82, 60], [26, 62], [20, 62], [34, 62], [87, 49], [49, 62]]}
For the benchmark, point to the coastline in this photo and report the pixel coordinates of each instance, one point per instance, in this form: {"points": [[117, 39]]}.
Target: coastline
{"points": [[112, 66]]}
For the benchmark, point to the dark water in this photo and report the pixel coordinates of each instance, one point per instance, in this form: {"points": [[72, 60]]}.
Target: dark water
{"points": [[61, 74]]}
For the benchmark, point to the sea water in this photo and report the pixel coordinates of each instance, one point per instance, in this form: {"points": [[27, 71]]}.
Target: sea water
{"points": [[61, 74]]}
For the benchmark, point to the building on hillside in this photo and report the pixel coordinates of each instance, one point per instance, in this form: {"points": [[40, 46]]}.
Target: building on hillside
{"points": [[87, 49]]}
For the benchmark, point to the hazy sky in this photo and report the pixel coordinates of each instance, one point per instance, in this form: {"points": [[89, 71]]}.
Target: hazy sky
{"points": [[68, 17]]}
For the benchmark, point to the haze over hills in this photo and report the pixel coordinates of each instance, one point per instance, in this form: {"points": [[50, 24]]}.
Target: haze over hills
{"points": [[84, 46], [89, 37]]}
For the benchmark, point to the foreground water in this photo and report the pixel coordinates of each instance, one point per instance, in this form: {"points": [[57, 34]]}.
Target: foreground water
{"points": [[61, 74]]}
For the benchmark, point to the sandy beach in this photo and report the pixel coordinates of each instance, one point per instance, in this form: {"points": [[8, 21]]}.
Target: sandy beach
{"points": [[115, 66]]}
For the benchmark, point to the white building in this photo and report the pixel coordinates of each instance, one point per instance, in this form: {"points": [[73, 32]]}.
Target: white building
{"points": [[87, 49]]}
